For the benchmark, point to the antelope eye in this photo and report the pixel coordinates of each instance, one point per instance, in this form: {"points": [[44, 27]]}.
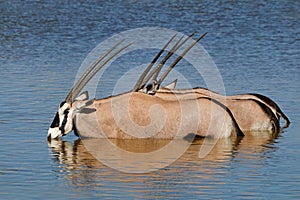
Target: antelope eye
{"points": [[66, 112]]}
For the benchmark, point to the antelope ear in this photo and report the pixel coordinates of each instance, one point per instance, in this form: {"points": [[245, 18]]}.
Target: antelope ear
{"points": [[83, 96], [171, 85], [82, 105], [90, 102]]}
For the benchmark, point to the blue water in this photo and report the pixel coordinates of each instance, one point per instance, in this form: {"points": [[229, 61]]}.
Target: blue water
{"points": [[254, 45]]}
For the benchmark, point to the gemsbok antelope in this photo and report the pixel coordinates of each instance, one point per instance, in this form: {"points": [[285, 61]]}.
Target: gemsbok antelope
{"points": [[253, 112], [138, 115]]}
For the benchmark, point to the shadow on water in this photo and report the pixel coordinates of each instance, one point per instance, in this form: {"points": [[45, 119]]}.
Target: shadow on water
{"points": [[80, 166]]}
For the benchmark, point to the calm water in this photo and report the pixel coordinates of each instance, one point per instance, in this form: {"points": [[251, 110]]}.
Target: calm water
{"points": [[256, 47]]}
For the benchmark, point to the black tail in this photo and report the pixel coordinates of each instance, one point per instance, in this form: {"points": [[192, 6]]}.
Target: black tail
{"points": [[273, 105]]}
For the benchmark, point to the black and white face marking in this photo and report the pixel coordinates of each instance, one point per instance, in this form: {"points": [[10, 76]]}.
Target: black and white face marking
{"points": [[62, 123]]}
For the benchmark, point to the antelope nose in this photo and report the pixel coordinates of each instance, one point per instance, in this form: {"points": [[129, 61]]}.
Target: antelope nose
{"points": [[54, 133], [49, 138]]}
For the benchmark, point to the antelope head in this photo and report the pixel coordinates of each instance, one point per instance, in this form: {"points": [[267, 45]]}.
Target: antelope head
{"points": [[63, 121]]}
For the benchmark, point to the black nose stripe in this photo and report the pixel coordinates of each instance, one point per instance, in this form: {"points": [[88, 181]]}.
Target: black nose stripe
{"points": [[63, 124], [55, 122]]}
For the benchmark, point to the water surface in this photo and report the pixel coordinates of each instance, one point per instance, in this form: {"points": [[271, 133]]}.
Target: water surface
{"points": [[255, 46]]}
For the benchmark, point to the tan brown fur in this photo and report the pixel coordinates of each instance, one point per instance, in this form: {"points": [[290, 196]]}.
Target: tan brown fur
{"points": [[137, 115], [251, 114]]}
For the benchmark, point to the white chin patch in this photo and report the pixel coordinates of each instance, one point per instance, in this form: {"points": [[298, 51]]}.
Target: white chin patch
{"points": [[54, 133]]}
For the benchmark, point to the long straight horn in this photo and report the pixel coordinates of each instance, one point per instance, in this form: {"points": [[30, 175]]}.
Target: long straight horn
{"points": [[91, 68], [141, 78], [87, 75], [81, 86], [173, 50], [178, 59], [154, 73]]}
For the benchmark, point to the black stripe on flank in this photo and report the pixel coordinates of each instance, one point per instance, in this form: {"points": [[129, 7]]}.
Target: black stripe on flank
{"points": [[265, 99], [238, 130]]}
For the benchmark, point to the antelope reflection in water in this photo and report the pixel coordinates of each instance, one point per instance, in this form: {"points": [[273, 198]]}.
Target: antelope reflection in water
{"points": [[81, 164]]}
